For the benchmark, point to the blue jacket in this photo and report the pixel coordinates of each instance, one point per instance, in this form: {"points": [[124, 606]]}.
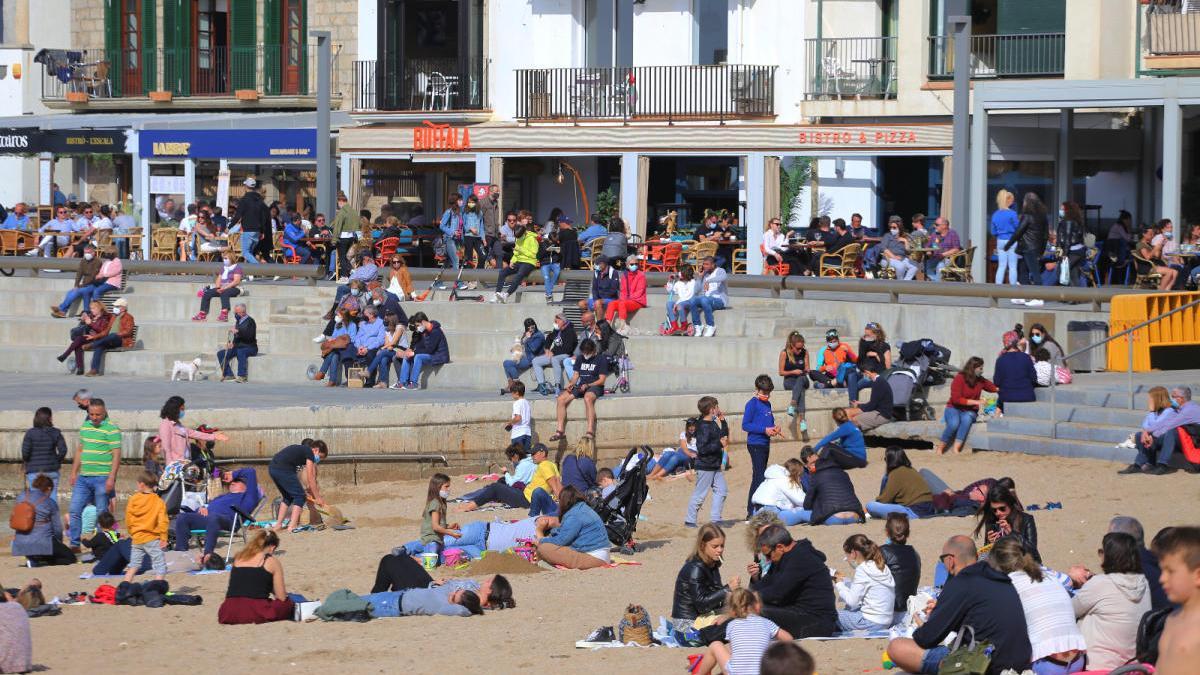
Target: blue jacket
{"points": [[1015, 377], [579, 471], [371, 334], [592, 232], [1004, 224], [223, 506], [756, 419], [450, 222], [849, 437], [292, 234], [472, 219], [434, 344], [534, 345], [606, 286], [581, 529]]}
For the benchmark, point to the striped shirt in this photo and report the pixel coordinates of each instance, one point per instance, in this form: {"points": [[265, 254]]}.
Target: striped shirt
{"points": [[99, 444], [748, 641]]}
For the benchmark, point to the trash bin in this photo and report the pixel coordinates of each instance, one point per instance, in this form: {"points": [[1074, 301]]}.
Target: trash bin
{"points": [[1081, 334]]}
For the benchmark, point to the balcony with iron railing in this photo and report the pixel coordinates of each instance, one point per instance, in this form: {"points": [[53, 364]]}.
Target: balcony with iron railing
{"points": [[1023, 55], [854, 68], [720, 92], [186, 77], [1170, 35], [428, 85]]}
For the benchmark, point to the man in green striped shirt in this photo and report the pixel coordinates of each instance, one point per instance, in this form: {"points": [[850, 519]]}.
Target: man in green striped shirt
{"points": [[94, 470]]}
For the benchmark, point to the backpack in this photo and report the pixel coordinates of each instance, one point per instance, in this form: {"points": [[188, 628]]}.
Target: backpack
{"points": [[24, 515]]}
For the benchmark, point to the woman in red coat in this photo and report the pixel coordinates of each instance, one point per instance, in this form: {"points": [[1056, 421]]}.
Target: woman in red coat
{"points": [[633, 292], [962, 409]]}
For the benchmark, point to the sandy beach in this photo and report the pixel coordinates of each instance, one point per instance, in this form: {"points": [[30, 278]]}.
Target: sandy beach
{"points": [[554, 608]]}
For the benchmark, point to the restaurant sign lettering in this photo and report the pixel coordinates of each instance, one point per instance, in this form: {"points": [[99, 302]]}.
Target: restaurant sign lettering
{"points": [[916, 136], [440, 137]]}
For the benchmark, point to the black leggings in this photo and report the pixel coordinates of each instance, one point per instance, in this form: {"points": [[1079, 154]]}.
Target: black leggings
{"points": [[501, 492], [519, 271], [399, 572], [797, 623]]}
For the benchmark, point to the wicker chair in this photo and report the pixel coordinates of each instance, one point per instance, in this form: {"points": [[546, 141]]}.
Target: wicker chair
{"points": [[958, 266], [699, 252], [164, 244], [843, 263], [1145, 277]]}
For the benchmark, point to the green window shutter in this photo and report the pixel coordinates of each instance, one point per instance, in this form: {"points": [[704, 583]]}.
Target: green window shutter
{"points": [[177, 53], [304, 49], [243, 66], [112, 43], [149, 44], [272, 48]]}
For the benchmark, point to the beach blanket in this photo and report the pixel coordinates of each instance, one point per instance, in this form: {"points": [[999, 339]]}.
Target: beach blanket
{"points": [[193, 573]]}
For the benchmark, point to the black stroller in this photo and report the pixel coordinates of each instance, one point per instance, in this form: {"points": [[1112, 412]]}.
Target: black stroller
{"points": [[621, 508], [922, 364]]}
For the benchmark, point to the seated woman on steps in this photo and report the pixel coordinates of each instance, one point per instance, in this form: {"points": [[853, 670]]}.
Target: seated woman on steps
{"points": [[226, 285], [963, 407]]}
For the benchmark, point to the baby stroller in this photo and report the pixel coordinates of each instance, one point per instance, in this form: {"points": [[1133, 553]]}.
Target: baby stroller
{"points": [[621, 509], [619, 365], [922, 364], [183, 484]]}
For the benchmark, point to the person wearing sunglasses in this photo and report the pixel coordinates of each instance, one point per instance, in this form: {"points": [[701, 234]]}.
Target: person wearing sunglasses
{"points": [[1001, 515], [975, 595]]}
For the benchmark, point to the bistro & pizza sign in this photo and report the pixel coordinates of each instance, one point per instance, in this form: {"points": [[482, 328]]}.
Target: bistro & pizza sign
{"points": [[923, 136]]}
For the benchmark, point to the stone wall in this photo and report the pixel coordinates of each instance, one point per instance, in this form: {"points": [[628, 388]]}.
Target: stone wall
{"points": [[87, 24], [340, 18]]}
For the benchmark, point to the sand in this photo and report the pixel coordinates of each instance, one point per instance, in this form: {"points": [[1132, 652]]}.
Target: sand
{"points": [[554, 608]]}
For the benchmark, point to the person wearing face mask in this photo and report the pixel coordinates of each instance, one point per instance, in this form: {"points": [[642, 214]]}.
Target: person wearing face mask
{"points": [[606, 287], [559, 346], [1040, 337], [532, 343], [120, 336], [873, 349], [243, 343], [87, 281], [631, 294], [225, 286], [1014, 374], [878, 410], [759, 424], [966, 390], [797, 592], [833, 362], [429, 348], [1070, 239], [173, 435], [285, 469], [871, 593], [385, 303], [351, 304], [616, 243], [893, 251], [293, 232], [524, 260]]}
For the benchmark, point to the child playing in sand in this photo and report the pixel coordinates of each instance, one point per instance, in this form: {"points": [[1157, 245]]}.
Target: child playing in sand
{"points": [[146, 520], [433, 518], [1178, 554], [106, 536], [672, 459], [748, 634], [712, 438]]}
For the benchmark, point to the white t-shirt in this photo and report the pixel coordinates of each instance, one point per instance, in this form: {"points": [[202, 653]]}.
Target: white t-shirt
{"points": [[748, 641], [774, 242], [522, 407], [684, 290], [102, 223]]}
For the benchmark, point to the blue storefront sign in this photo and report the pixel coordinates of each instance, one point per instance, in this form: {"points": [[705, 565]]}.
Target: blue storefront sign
{"points": [[262, 144]]}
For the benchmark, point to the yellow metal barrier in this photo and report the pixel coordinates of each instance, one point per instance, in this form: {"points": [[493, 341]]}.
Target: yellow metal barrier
{"points": [[1164, 343]]}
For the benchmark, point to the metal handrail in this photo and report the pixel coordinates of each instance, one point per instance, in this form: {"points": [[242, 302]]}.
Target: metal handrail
{"points": [[1128, 367], [310, 272]]}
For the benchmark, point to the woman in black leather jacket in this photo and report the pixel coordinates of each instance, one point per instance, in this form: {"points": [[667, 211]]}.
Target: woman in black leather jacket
{"points": [[1070, 238], [698, 588], [1032, 232], [1002, 515]]}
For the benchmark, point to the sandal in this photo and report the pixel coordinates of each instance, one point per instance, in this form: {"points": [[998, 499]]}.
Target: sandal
{"points": [[558, 436], [589, 435]]}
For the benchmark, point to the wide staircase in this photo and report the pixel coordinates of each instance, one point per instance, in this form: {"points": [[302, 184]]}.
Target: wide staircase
{"points": [[480, 335], [1094, 415]]}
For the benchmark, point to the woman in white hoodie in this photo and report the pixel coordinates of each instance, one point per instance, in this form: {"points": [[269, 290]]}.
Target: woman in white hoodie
{"points": [[1110, 605], [781, 491], [871, 594]]}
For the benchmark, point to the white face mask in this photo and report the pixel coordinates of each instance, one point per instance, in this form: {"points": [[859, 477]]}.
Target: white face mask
{"points": [[1061, 213], [895, 232], [633, 267], [355, 292], [227, 262], [88, 256], [118, 310], [337, 318], [444, 494], [421, 328]]}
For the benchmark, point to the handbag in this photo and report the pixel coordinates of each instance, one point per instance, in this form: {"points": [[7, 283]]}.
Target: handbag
{"points": [[971, 659], [333, 344]]}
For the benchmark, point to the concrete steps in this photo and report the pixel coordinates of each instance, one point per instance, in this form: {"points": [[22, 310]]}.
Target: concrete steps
{"points": [[1093, 417]]}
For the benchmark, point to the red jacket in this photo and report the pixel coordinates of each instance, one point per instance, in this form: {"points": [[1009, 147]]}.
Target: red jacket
{"points": [[633, 287], [960, 392]]}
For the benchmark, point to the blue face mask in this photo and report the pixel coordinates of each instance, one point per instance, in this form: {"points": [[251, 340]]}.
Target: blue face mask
{"points": [[316, 458], [182, 413], [1037, 339]]}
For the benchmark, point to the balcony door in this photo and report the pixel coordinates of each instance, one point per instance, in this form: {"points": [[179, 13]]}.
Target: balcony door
{"points": [[130, 19], [430, 54], [210, 60], [293, 45]]}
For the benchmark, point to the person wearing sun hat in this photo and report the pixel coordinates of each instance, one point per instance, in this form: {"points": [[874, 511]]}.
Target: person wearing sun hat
{"points": [[1014, 374], [120, 336]]}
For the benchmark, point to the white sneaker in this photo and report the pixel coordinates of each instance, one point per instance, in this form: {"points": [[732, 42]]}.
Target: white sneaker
{"points": [[710, 331], [698, 330], [1035, 303], [1017, 301], [319, 338], [343, 280], [502, 297]]}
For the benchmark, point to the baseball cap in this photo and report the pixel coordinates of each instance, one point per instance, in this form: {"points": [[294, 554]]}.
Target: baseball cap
{"points": [[831, 333], [566, 219], [120, 302]]}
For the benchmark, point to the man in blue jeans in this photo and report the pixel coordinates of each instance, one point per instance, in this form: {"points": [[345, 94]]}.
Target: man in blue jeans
{"points": [[94, 470], [1161, 440], [218, 515], [759, 424], [712, 295], [243, 343]]}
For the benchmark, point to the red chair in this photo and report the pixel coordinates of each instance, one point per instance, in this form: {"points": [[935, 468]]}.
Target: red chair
{"points": [[779, 268], [289, 254], [384, 248], [664, 258]]}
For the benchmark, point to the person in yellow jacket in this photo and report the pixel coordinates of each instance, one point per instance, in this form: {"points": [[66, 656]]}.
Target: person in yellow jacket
{"points": [[146, 520], [524, 258], [344, 227]]}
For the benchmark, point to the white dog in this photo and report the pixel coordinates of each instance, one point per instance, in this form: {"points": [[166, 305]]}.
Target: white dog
{"points": [[189, 369]]}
